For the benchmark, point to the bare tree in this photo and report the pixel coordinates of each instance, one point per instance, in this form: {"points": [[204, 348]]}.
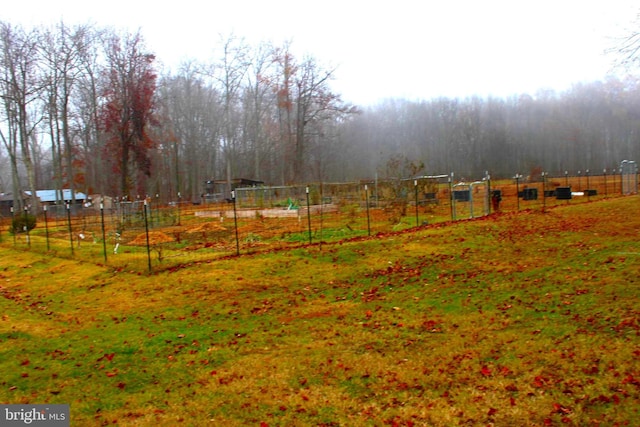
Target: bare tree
{"points": [[86, 105], [259, 103], [64, 52], [193, 109], [627, 49], [305, 101], [230, 72], [283, 87], [20, 88]]}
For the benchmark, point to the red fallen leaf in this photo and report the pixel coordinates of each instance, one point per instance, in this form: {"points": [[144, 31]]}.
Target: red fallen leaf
{"points": [[485, 371], [505, 371], [561, 409], [547, 422], [213, 373], [25, 362], [108, 356], [615, 398], [512, 401], [492, 411], [121, 385], [263, 424], [539, 381], [111, 374]]}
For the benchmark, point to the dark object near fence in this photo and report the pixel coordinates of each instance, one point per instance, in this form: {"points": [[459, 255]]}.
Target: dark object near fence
{"points": [[429, 198], [496, 198], [590, 192], [461, 195], [549, 193], [529, 194], [563, 193]]}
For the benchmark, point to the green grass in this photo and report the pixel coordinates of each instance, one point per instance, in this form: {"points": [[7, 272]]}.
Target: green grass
{"points": [[515, 319]]}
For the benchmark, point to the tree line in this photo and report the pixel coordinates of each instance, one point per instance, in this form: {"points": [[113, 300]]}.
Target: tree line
{"points": [[589, 126], [87, 108], [92, 110]]}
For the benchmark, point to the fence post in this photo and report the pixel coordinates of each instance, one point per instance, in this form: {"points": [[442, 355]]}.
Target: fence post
{"points": [[46, 227], [579, 181], [235, 221], [489, 197], [366, 198], [451, 207], [621, 183], [13, 229], [69, 225], [544, 191], [604, 172], [180, 199], [104, 237], [26, 225], [146, 230], [415, 186], [471, 200], [308, 214], [157, 209], [517, 177]]}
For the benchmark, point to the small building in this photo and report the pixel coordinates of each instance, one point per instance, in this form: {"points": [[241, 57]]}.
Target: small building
{"points": [[7, 202], [218, 190], [94, 201], [50, 197]]}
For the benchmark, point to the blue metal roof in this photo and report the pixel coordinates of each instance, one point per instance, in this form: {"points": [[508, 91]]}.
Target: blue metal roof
{"points": [[50, 195]]}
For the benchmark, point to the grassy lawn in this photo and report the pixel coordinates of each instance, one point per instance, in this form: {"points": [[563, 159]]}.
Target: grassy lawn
{"points": [[525, 318]]}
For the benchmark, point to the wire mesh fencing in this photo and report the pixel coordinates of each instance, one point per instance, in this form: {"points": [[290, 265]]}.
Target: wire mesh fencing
{"points": [[143, 236]]}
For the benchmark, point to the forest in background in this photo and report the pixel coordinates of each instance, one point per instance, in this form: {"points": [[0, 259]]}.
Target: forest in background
{"points": [[91, 109]]}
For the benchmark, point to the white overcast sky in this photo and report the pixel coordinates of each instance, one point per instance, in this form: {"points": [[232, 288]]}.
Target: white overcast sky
{"points": [[411, 49]]}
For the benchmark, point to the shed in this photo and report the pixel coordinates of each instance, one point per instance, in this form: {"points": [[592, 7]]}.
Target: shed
{"points": [[216, 190], [49, 196], [7, 202]]}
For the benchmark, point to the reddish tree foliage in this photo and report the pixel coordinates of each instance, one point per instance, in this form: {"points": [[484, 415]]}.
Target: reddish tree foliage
{"points": [[129, 110]]}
